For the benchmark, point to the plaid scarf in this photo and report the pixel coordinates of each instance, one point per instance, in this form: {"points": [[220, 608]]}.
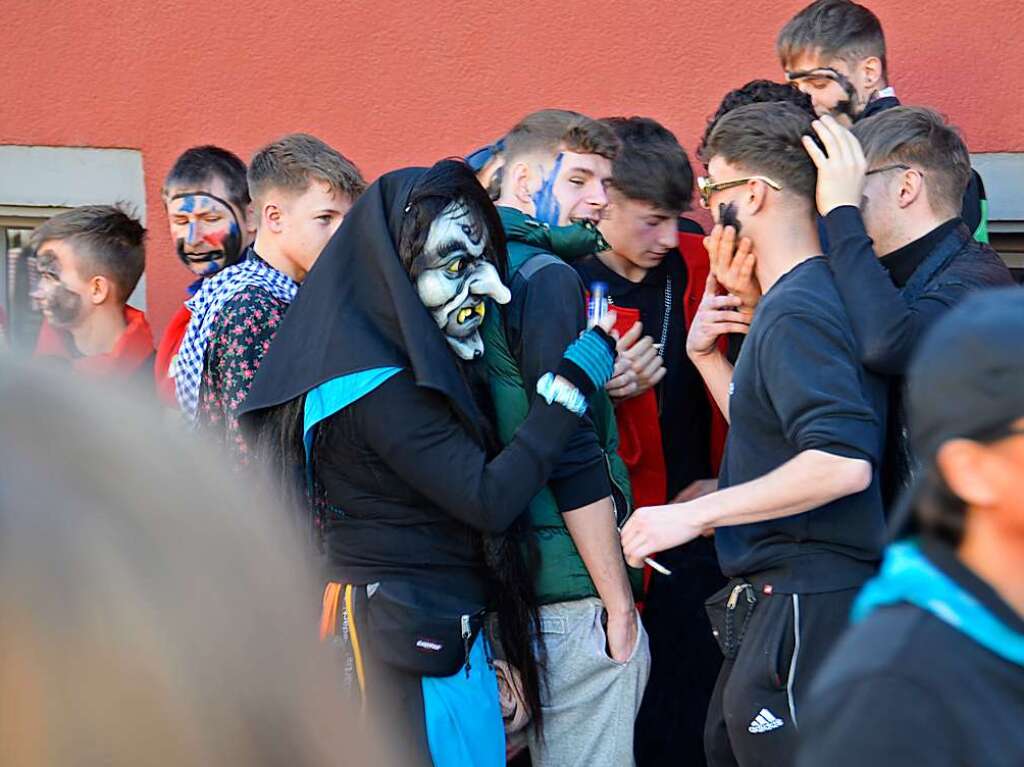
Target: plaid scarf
{"points": [[252, 272]]}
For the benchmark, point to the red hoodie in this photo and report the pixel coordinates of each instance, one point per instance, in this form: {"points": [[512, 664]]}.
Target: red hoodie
{"points": [[132, 352], [637, 418], [166, 353]]}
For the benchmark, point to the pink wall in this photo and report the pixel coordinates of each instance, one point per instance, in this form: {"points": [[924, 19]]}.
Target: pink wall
{"points": [[394, 83]]}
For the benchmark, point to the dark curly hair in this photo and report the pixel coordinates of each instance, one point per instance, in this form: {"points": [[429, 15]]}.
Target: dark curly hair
{"points": [[754, 92]]}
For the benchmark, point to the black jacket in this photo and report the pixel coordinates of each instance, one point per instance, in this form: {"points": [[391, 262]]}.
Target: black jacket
{"points": [[416, 489], [890, 309], [905, 688]]}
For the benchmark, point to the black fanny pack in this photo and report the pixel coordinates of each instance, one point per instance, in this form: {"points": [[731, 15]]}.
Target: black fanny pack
{"points": [[420, 631], [729, 611]]}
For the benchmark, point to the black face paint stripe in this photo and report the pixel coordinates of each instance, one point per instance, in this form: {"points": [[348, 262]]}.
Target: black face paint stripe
{"points": [[837, 76]]}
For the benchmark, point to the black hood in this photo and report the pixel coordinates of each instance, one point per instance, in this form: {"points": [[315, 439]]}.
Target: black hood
{"points": [[358, 310]]}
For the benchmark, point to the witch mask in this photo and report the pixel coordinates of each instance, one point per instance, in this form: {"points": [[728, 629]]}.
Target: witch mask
{"points": [[454, 278]]}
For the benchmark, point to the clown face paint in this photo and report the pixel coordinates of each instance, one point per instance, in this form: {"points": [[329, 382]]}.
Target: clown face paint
{"points": [[206, 232], [453, 278], [61, 303]]}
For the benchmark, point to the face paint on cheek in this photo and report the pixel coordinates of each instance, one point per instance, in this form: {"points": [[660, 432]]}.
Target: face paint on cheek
{"points": [[225, 244], [62, 305], [547, 208], [848, 105], [727, 216]]}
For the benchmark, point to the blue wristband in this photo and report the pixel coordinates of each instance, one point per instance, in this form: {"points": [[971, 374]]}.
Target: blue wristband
{"points": [[554, 389], [590, 353]]}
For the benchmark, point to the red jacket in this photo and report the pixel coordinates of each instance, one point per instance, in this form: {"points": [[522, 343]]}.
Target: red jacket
{"points": [[637, 418], [132, 352], [166, 353]]}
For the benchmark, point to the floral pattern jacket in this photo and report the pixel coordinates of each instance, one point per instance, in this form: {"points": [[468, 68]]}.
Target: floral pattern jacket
{"points": [[242, 333]]}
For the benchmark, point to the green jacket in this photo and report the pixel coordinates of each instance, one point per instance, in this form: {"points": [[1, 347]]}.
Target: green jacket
{"points": [[561, 575]]}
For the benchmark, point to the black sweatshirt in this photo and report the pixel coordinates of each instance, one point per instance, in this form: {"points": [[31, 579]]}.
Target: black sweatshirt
{"points": [[797, 386], [905, 688], [547, 313], [416, 489]]}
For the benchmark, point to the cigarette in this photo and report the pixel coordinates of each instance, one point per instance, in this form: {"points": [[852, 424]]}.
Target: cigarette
{"points": [[655, 566]]}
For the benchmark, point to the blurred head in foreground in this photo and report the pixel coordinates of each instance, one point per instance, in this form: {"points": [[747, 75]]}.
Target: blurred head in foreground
{"points": [[153, 611]]}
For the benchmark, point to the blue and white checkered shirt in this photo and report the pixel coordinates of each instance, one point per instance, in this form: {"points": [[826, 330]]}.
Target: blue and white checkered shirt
{"points": [[214, 292]]}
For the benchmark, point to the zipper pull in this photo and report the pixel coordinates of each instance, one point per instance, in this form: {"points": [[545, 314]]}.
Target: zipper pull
{"points": [[466, 634], [734, 597]]}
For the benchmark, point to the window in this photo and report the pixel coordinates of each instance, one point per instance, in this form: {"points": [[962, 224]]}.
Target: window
{"points": [[19, 316]]}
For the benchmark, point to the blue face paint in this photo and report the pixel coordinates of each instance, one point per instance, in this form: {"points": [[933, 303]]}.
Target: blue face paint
{"points": [[188, 204], [547, 208]]}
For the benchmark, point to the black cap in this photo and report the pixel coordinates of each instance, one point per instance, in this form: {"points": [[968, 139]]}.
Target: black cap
{"points": [[966, 380]]}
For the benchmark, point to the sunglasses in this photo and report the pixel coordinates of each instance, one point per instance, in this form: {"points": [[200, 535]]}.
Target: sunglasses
{"points": [[707, 187]]}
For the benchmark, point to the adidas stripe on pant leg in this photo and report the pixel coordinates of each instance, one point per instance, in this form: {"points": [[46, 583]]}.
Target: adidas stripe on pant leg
{"points": [[754, 716]]}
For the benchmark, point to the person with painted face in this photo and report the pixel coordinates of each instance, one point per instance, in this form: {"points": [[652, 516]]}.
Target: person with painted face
{"points": [[834, 51], [89, 261], [664, 424], [556, 165], [206, 198], [301, 189], [373, 390], [798, 521], [932, 671]]}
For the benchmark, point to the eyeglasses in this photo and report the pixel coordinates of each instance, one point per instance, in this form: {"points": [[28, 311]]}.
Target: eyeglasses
{"points": [[707, 187], [884, 168]]}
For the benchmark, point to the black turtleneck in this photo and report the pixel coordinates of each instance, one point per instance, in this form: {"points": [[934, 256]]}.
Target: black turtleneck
{"points": [[902, 262]]}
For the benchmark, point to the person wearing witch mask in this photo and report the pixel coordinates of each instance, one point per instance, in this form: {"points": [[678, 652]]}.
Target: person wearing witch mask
{"points": [[834, 51], [302, 190], [556, 166], [206, 198], [374, 387], [89, 260]]}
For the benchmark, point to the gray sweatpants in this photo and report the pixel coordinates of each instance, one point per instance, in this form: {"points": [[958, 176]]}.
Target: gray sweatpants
{"points": [[589, 701]]}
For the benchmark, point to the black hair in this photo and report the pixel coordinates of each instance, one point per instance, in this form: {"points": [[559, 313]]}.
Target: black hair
{"points": [[446, 182], [940, 513], [754, 92], [651, 165], [200, 164]]}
